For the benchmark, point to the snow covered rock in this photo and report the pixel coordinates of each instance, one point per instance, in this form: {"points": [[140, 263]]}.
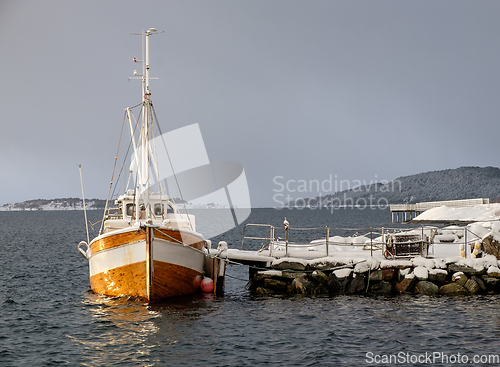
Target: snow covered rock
{"points": [[468, 270], [330, 262], [438, 276], [404, 272], [421, 273], [365, 266], [289, 264], [440, 263], [486, 261], [422, 261], [398, 264], [459, 278], [493, 271], [343, 273], [320, 277]]}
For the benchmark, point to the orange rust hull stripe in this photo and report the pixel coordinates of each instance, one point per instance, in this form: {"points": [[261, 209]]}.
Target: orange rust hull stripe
{"points": [[168, 234], [130, 280], [114, 240]]}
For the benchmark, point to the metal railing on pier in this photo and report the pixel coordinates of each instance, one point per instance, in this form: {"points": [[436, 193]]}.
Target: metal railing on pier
{"points": [[393, 242]]}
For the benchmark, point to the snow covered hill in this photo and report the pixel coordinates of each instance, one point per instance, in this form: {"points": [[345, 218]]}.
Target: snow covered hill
{"points": [[450, 184]]}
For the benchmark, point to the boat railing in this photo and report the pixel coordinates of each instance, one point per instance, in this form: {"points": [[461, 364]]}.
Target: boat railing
{"points": [[267, 241], [323, 237], [113, 213], [304, 237]]}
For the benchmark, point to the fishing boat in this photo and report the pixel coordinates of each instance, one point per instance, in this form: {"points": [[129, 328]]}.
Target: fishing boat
{"points": [[146, 248]]}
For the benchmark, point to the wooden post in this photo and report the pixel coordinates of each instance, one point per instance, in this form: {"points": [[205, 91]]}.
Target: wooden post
{"points": [[220, 270], [220, 277]]}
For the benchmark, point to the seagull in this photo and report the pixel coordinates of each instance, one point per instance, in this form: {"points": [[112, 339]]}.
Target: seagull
{"points": [[286, 224]]}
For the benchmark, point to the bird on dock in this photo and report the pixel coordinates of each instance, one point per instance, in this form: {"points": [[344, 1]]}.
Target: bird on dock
{"points": [[286, 225]]}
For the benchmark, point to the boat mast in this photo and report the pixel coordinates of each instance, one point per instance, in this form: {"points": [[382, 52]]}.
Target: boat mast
{"points": [[144, 156], [146, 118]]}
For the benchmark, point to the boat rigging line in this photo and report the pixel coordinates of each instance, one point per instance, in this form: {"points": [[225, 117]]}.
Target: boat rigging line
{"points": [[112, 174], [171, 165], [84, 206]]}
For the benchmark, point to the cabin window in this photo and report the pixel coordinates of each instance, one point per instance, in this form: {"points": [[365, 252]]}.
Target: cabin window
{"points": [[130, 209], [159, 209], [170, 209]]}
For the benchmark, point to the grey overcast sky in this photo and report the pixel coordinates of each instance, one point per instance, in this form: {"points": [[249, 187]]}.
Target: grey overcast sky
{"points": [[291, 89]]}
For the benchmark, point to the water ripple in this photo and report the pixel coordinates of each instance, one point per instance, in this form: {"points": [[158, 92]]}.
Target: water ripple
{"points": [[48, 317]]}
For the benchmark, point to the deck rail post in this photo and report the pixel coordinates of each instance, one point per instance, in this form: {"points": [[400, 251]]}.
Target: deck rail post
{"points": [[271, 240], [371, 243], [465, 241], [286, 241], [383, 242], [327, 237], [422, 243]]}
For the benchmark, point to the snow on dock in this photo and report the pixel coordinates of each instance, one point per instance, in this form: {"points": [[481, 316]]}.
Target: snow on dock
{"points": [[410, 211], [429, 260], [485, 212]]}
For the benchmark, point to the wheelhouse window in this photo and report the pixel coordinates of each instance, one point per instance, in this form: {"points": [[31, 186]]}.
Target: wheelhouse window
{"points": [[130, 209], [159, 209]]}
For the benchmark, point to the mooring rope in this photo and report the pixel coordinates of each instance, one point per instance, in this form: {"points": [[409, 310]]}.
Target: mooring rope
{"points": [[229, 261]]}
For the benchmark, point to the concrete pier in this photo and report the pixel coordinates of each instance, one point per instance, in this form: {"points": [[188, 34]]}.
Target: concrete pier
{"points": [[407, 212]]}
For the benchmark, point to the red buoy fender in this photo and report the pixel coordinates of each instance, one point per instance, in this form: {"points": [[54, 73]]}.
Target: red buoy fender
{"points": [[207, 285]]}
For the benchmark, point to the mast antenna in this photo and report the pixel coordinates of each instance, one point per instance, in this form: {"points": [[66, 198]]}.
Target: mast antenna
{"points": [[145, 61]]}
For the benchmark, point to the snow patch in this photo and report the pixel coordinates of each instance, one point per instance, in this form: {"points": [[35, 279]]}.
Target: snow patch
{"points": [[343, 273], [290, 260], [271, 272], [486, 261], [405, 272], [483, 212], [421, 273], [422, 261], [370, 264], [493, 271], [384, 264], [437, 271]]}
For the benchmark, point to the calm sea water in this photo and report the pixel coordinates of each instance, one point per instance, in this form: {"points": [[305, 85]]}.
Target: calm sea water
{"points": [[48, 316]]}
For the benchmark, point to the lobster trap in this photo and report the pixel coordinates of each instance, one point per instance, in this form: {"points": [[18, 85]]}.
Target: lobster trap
{"points": [[405, 246]]}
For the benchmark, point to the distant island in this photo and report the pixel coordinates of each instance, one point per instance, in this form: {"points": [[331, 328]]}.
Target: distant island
{"points": [[450, 184], [77, 204], [55, 204]]}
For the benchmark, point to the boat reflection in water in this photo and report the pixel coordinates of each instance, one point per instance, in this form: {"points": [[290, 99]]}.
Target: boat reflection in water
{"points": [[134, 333]]}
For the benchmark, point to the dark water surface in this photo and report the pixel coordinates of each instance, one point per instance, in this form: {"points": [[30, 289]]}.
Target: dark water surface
{"points": [[49, 317]]}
